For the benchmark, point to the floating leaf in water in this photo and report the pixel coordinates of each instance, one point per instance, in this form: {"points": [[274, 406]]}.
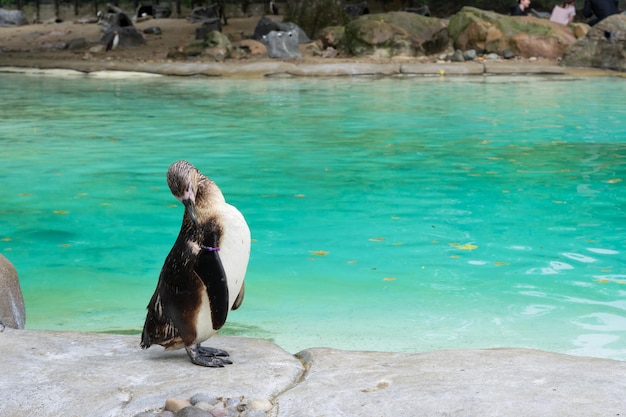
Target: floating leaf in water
{"points": [[24, 194], [299, 195], [500, 263], [395, 218], [389, 279], [376, 239], [61, 212], [604, 281], [108, 204], [614, 180], [65, 245], [466, 246], [6, 239], [398, 243], [319, 252]]}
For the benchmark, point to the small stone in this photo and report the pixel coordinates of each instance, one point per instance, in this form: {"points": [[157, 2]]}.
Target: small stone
{"points": [[192, 411], [203, 398], [492, 56], [219, 412], [260, 404], [457, 56], [175, 404], [254, 413], [232, 402], [508, 54], [204, 406], [470, 55], [153, 30], [165, 414]]}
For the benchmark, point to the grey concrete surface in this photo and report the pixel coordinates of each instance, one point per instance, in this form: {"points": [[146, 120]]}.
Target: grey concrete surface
{"points": [[274, 68], [46, 373]]}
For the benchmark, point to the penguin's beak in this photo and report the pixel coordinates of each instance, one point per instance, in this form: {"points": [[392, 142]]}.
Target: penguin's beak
{"points": [[190, 208]]}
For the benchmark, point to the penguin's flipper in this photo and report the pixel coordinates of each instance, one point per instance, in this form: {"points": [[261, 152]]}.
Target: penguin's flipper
{"points": [[239, 298], [211, 272], [209, 357]]}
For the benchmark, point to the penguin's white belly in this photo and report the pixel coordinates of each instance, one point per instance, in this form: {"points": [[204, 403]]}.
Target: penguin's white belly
{"points": [[234, 253]]}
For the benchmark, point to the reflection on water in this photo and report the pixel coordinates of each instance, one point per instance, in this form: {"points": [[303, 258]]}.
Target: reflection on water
{"points": [[392, 214]]}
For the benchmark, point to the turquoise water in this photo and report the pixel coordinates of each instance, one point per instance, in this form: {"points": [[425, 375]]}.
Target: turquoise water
{"points": [[387, 214]]}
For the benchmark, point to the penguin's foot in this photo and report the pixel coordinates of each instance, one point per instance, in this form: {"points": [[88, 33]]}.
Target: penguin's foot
{"points": [[207, 356]]}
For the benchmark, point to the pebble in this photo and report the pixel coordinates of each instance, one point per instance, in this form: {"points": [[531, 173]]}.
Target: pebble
{"points": [[260, 404], [204, 398], [253, 413], [206, 405], [175, 405], [192, 411]]}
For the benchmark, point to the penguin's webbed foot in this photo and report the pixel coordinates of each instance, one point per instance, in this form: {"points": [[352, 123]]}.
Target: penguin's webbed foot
{"points": [[208, 356]]}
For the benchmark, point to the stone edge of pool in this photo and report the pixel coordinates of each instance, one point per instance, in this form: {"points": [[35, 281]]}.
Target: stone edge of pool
{"points": [[258, 69], [52, 373]]}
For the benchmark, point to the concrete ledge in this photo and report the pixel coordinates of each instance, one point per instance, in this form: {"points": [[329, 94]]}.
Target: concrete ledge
{"points": [[270, 68], [79, 374]]}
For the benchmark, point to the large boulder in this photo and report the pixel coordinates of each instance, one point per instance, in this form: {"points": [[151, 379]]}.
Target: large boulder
{"points": [[396, 34], [524, 36], [282, 44], [128, 36], [265, 25], [604, 46], [10, 18], [12, 311]]}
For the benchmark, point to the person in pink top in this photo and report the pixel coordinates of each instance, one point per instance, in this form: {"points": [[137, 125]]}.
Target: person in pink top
{"points": [[564, 13]]}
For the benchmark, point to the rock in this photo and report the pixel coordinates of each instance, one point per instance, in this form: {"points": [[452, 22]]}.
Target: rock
{"points": [[254, 413], [11, 18], [470, 55], [508, 383], [579, 29], [153, 30], [125, 381], [604, 46], [282, 44], [457, 56], [208, 25], [74, 44], [114, 17], [356, 9], [204, 406], [396, 34], [508, 54], [329, 52], [192, 411], [261, 404], [265, 25], [248, 48], [217, 45], [473, 28], [129, 36], [202, 14], [155, 11], [206, 398], [12, 311], [175, 404], [332, 36]]}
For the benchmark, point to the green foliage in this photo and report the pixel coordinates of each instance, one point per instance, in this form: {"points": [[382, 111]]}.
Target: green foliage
{"points": [[314, 15]]}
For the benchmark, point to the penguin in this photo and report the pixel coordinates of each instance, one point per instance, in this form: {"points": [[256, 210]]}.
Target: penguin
{"points": [[113, 42], [202, 278]]}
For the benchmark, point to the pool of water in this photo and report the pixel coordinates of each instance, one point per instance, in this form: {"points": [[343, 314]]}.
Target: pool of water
{"points": [[386, 214]]}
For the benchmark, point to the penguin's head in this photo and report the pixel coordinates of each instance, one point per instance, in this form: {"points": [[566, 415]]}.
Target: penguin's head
{"points": [[182, 178]]}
